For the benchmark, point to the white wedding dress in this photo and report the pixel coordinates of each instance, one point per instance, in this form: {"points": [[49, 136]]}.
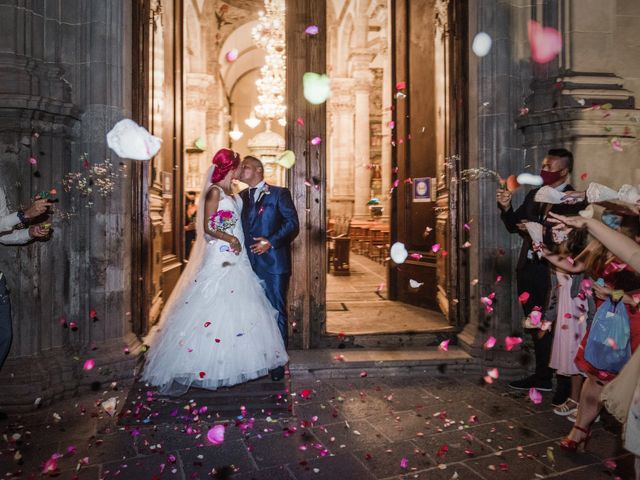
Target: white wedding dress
{"points": [[218, 327]]}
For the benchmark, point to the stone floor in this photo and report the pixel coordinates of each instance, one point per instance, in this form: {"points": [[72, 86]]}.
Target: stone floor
{"points": [[357, 304], [442, 427]]}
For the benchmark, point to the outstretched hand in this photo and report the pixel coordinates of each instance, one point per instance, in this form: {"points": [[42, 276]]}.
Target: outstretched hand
{"points": [[562, 220]]}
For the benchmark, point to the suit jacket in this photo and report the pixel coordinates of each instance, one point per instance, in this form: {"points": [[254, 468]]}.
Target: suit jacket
{"points": [[534, 212], [275, 218]]}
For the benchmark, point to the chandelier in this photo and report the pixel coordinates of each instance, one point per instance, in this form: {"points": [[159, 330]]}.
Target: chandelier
{"points": [[269, 36]]}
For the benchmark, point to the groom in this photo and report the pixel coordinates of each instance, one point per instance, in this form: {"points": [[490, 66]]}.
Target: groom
{"points": [[270, 223]]}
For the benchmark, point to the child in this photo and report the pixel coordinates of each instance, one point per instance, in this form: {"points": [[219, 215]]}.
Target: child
{"points": [[569, 310]]}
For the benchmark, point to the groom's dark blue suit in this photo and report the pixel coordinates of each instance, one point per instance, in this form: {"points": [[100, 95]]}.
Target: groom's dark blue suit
{"points": [[274, 217]]}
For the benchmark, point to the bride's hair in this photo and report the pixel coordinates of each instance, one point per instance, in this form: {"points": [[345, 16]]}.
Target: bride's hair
{"points": [[224, 161]]}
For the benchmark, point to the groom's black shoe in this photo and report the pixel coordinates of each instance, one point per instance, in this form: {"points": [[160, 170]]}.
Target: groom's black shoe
{"points": [[277, 374]]}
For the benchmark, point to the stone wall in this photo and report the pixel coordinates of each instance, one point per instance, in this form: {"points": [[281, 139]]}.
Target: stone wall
{"points": [[65, 79], [518, 110]]}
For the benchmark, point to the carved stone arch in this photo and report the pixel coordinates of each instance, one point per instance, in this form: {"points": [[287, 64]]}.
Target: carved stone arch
{"points": [[344, 38]]}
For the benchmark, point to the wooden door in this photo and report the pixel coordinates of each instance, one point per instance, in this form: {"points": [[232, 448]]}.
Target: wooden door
{"points": [[158, 219], [423, 208]]}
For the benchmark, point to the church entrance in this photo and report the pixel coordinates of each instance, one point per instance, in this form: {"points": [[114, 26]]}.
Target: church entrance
{"points": [[373, 163]]}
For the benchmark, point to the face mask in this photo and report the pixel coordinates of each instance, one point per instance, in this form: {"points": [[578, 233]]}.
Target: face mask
{"points": [[549, 178]]}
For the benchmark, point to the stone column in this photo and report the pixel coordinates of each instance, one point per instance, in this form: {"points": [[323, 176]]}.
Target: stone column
{"points": [[67, 78], [341, 154], [196, 123], [362, 77]]}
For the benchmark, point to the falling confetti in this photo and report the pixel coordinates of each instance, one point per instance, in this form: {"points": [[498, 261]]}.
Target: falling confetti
{"points": [[398, 253], [535, 396], [545, 42], [232, 55], [481, 44], [316, 87], [312, 30], [616, 144], [490, 343], [511, 342], [529, 179], [216, 434]]}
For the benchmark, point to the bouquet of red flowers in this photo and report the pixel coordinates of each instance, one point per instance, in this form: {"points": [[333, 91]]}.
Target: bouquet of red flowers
{"points": [[223, 220]]}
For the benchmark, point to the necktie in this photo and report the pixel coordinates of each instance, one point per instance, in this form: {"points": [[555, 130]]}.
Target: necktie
{"points": [[252, 195]]}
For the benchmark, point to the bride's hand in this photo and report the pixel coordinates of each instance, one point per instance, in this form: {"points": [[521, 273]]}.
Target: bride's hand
{"points": [[235, 245]]}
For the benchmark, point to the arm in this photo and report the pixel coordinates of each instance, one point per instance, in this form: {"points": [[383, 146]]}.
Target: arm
{"points": [[8, 222], [617, 243], [511, 217], [291, 225], [210, 207], [562, 263], [17, 237]]}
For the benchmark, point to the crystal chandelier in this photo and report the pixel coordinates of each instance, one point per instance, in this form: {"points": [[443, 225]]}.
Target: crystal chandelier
{"points": [[269, 36]]}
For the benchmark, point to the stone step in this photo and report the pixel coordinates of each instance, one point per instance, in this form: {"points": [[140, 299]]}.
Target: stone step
{"points": [[345, 363]]}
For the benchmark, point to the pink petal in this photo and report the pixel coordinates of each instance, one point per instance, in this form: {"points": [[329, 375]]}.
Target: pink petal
{"points": [[435, 247], [404, 463], [490, 343], [316, 141], [401, 85], [444, 345], [231, 55], [535, 396], [312, 30], [524, 296], [89, 364], [216, 434], [545, 42], [510, 342]]}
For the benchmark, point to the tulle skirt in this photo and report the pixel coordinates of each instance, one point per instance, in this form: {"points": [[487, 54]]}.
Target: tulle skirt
{"points": [[218, 329]]}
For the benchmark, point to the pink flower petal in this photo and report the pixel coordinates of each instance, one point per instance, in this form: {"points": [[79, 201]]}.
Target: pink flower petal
{"points": [[216, 434], [404, 463], [312, 30], [89, 364], [524, 297], [535, 396], [231, 55], [545, 42], [510, 342], [316, 141], [444, 345], [490, 343], [435, 248]]}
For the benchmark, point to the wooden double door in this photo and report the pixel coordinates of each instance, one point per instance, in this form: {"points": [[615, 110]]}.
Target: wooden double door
{"points": [[428, 56]]}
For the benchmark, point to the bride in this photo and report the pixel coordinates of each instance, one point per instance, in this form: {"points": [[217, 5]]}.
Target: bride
{"points": [[218, 327]]}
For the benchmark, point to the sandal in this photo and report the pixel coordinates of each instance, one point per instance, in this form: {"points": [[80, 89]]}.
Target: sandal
{"points": [[572, 445], [567, 408]]}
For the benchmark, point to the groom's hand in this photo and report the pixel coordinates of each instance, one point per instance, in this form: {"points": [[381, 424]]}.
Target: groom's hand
{"points": [[261, 246]]}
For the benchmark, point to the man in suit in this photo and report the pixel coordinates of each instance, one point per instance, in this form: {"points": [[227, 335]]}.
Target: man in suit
{"points": [[270, 223], [532, 273]]}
